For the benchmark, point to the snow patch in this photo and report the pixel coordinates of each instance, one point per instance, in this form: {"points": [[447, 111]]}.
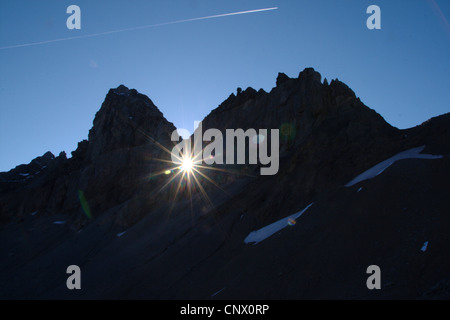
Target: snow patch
{"points": [[59, 222], [120, 234], [360, 188], [34, 213], [424, 247], [265, 232], [413, 153], [216, 293], [24, 174]]}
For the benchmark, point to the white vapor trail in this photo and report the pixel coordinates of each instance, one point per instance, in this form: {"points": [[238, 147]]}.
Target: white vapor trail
{"points": [[136, 28]]}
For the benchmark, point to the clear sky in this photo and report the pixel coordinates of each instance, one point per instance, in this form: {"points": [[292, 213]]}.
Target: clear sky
{"points": [[49, 93]]}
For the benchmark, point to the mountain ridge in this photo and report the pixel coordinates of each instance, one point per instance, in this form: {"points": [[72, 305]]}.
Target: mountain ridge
{"points": [[120, 210], [311, 114]]}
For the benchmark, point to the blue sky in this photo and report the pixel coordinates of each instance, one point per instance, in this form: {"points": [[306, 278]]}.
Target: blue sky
{"points": [[49, 93]]}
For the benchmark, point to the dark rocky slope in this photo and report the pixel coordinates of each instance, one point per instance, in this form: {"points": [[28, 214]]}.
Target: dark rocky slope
{"points": [[181, 247]]}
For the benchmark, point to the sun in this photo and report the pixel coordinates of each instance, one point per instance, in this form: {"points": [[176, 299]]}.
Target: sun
{"points": [[186, 165], [186, 173]]}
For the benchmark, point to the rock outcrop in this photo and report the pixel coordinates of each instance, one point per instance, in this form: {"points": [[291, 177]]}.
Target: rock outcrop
{"points": [[121, 158], [327, 135], [139, 235]]}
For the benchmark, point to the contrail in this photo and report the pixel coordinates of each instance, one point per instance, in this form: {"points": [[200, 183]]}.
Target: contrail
{"points": [[136, 28], [443, 20]]}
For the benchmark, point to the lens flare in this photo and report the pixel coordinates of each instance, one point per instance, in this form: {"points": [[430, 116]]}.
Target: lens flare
{"points": [[291, 222], [287, 131], [84, 204]]}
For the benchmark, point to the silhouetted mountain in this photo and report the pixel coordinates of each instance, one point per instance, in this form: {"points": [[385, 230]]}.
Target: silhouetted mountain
{"points": [[114, 210], [117, 162]]}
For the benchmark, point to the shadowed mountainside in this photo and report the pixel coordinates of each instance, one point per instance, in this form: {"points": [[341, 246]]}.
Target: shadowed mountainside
{"points": [[119, 215]]}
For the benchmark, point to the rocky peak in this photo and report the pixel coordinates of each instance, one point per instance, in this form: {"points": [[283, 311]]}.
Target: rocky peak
{"points": [[121, 90], [112, 165], [298, 103], [25, 172], [281, 78], [341, 89], [241, 98], [316, 122], [126, 119], [309, 74]]}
